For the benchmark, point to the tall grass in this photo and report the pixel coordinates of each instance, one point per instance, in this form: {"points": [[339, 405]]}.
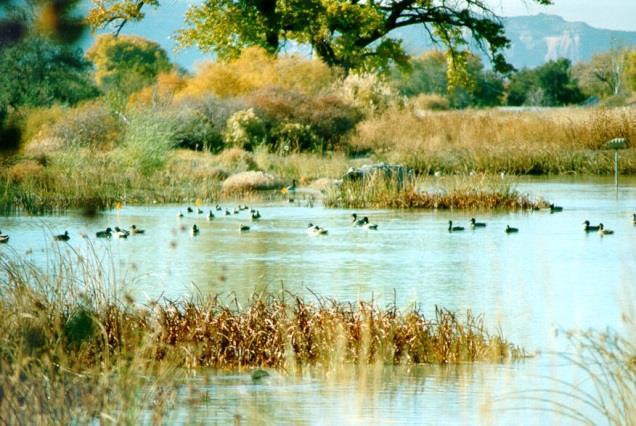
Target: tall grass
{"points": [[76, 348], [550, 141], [462, 192]]}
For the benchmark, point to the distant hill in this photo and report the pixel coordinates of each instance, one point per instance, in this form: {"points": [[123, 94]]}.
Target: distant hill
{"points": [[539, 38], [535, 39]]}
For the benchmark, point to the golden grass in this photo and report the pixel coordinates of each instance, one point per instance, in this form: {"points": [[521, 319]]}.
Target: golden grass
{"points": [[462, 192], [74, 347], [550, 141]]}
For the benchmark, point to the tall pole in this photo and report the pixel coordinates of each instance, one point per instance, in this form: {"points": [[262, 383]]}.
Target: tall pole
{"points": [[616, 169]]}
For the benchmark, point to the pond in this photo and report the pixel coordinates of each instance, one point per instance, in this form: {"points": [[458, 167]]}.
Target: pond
{"points": [[549, 276]]}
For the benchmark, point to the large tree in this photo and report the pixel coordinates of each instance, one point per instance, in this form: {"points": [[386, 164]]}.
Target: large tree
{"points": [[346, 33]]}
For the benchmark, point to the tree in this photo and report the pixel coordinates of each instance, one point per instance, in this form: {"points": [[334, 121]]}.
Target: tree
{"points": [[126, 64], [38, 72], [550, 84], [605, 74], [345, 33], [429, 73]]}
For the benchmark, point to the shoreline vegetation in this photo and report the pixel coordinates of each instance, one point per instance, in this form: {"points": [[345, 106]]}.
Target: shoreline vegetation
{"points": [[75, 346]]}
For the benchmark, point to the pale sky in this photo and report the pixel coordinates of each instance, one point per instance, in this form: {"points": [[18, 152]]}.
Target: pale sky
{"points": [[610, 14]]}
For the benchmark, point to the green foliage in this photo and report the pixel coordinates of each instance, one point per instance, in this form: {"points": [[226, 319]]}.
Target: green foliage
{"points": [[79, 328], [550, 84], [352, 35], [39, 72], [125, 64], [430, 74]]}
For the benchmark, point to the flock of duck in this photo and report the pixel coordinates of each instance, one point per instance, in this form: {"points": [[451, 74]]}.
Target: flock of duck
{"points": [[312, 229]]}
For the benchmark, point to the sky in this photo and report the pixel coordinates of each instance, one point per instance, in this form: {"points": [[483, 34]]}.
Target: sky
{"points": [[609, 14]]}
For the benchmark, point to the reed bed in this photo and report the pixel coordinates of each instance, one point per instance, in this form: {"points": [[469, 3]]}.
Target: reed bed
{"points": [[460, 192], [549, 141], [76, 348]]}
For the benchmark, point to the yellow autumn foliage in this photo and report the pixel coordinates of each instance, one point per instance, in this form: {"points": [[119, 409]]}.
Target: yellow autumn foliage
{"points": [[255, 69]]}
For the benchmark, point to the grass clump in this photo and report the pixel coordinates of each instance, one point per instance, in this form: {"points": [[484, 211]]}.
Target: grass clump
{"points": [[76, 348], [472, 192]]}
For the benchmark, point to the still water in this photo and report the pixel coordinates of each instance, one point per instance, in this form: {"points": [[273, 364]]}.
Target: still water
{"points": [[550, 276]]}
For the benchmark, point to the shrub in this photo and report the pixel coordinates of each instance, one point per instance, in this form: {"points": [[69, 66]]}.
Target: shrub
{"points": [[250, 181], [368, 92], [25, 170], [38, 122], [432, 102], [294, 137], [90, 125], [149, 137], [245, 130]]}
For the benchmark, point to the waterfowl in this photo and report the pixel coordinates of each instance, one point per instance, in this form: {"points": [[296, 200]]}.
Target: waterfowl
{"points": [[227, 212], [452, 228], [195, 230], [210, 215], [588, 228], [475, 224], [367, 225], [243, 228], [190, 209], [634, 219], [316, 230], [136, 230], [107, 233], [218, 208], [243, 207], [603, 231], [120, 234], [236, 211], [62, 237], [511, 230], [199, 211], [4, 238], [292, 187], [123, 232], [179, 215], [356, 221], [555, 209], [256, 215]]}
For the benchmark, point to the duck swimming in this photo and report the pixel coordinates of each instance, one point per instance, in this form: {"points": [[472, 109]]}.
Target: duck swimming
{"points": [[452, 228], [588, 228], [62, 237], [356, 221], [603, 231], [4, 238], [316, 230], [123, 232], [555, 209], [511, 230], [367, 225], [256, 215], [210, 215], [475, 224], [243, 228], [137, 231], [107, 233], [190, 209], [195, 230]]}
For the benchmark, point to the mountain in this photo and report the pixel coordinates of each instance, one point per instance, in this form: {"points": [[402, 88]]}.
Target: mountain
{"points": [[539, 38]]}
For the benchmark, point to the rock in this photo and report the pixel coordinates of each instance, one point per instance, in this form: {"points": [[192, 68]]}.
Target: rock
{"points": [[250, 181], [388, 171]]}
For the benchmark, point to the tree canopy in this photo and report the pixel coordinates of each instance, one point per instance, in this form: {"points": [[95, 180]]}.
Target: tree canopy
{"points": [[127, 63], [346, 33]]}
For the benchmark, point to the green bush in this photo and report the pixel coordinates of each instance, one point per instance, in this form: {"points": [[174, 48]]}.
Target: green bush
{"points": [[294, 137], [149, 137]]}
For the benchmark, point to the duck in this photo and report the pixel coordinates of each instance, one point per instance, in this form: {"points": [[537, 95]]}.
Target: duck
{"points": [[137, 231], [245, 207], [218, 208], [199, 211], [62, 237], [243, 228], [179, 215], [603, 231], [367, 225], [189, 209], [291, 188], [227, 212], [588, 228], [356, 221], [511, 230], [236, 211], [475, 224], [107, 233], [452, 228], [123, 232], [256, 215], [210, 215], [316, 230], [634, 219], [195, 230], [4, 238], [555, 209]]}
